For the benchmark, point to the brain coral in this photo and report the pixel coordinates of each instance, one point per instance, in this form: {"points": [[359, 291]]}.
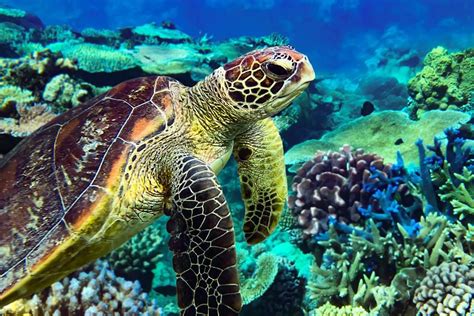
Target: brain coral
{"points": [[447, 289], [336, 186], [446, 81], [94, 292]]}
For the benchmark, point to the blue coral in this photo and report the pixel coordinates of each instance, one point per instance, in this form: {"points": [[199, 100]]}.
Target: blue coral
{"points": [[446, 173]]}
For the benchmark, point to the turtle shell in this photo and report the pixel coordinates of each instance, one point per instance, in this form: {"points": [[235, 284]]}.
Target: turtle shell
{"points": [[50, 181]]}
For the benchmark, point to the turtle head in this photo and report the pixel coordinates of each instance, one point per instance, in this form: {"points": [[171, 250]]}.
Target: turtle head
{"points": [[264, 82]]}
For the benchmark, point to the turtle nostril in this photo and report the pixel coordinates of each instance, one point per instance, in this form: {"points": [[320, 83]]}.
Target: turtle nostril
{"points": [[278, 70]]}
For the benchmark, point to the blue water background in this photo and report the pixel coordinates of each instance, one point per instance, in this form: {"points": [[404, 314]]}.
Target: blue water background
{"points": [[337, 35]]}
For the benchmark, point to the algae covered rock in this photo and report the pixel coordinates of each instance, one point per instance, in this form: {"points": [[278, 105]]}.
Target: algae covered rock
{"points": [[445, 82]]}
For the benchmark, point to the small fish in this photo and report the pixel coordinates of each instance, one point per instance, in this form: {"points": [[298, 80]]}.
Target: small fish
{"points": [[367, 108], [399, 141]]}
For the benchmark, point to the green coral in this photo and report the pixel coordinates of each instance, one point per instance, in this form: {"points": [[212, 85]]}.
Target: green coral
{"points": [[11, 96], [445, 82], [101, 36], [14, 13], [95, 58], [255, 286], [11, 33], [461, 197], [27, 48]]}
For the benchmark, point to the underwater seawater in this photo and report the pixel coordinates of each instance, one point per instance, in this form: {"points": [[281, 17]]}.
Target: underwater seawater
{"points": [[283, 158]]}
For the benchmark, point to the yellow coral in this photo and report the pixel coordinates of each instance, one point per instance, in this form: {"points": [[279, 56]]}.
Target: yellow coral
{"points": [[10, 96], [445, 82], [331, 310], [254, 287]]}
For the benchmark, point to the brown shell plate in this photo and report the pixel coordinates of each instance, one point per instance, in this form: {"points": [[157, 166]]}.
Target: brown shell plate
{"points": [[53, 175]]}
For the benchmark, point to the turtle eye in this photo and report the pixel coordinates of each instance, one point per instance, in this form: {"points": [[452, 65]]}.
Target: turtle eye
{"points": [[278, 70]]}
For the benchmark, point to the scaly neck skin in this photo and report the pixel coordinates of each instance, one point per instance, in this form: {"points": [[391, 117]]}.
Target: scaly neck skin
{"points": [[209, 108]]}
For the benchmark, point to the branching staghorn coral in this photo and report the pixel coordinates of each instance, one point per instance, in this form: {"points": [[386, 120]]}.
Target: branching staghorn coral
{"points": [[380, 272], [449, 171]]}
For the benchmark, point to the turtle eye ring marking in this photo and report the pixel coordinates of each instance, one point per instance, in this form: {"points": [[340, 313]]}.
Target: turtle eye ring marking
{"points": [[278, 70]]}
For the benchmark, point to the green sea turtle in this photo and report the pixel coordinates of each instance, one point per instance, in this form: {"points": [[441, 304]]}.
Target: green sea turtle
{"points": [[93, 177]]}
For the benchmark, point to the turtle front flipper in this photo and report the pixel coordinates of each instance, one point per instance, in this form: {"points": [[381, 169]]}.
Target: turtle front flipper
{"points": [[259, 155], [202, 240]]}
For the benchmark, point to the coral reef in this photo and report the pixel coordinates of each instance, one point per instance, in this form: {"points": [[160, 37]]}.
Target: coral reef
{"points": [[34, 71], [381, 272], [20, 17], [450, 173], [447, 289], [343, 187], [377, 260], [94, 57], [154, 34], [445, 82], [384, 133], [137, 258], [95, 291], [65, 92]]}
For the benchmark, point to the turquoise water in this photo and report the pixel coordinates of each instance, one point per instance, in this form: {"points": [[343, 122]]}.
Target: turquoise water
{"points": [[376, 151]]}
